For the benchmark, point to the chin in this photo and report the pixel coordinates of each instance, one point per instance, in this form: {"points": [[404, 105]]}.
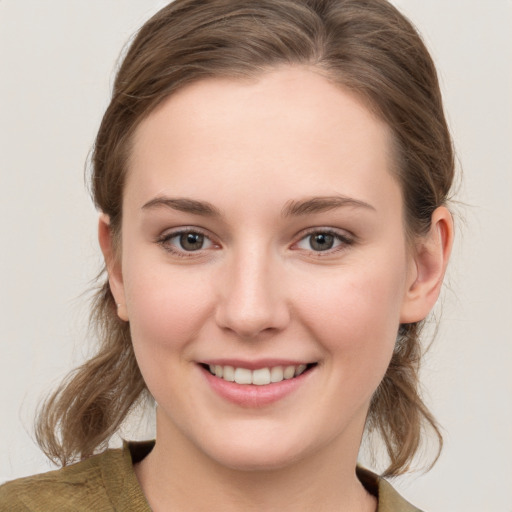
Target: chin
{"points": [[255, 459], [256, 453]]}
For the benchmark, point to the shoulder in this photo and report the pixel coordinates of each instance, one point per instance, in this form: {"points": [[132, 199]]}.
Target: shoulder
{"points": [[103, 483], [389, 500], [77, 487]]}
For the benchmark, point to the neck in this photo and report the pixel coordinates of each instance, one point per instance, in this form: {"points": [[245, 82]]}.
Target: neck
{"points": [[178, 476]]}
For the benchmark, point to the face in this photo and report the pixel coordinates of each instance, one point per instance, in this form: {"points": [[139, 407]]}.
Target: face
{"points": [[263, 242]]}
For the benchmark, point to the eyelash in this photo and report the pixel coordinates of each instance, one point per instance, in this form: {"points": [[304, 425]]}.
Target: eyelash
{"points": [[164, 241], [343, 239]]}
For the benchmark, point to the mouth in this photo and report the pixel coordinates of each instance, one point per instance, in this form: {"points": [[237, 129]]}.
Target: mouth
{"points": [[260, 376]]}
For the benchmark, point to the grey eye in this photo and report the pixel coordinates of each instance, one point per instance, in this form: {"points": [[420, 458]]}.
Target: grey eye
{"points": [[185, 242], [191, 241], [321, 241]]}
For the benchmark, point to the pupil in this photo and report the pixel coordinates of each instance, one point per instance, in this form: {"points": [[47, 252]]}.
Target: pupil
{"points": [[191, 241], [322, 242]]}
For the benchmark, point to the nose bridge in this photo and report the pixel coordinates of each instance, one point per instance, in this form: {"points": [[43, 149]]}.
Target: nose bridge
{"points": [[251, 299]]}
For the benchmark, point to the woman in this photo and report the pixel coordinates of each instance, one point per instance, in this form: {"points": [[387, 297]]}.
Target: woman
{"points": [[272, 179]]}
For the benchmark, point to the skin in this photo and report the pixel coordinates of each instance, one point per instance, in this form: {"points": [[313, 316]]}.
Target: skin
{"points": [[258, 289]]}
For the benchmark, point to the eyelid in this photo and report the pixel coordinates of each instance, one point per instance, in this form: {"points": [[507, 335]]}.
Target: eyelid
{"points": [[168, 235], [344, 237]]}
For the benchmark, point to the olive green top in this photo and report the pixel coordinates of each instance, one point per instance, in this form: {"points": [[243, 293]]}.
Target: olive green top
{"points": [[107, 483]]}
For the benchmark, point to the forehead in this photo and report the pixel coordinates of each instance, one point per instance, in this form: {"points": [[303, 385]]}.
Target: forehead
{"points": [[289, 127]]}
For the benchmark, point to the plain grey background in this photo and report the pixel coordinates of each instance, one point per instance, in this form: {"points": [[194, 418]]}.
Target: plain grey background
{"points": [[57, 59]]}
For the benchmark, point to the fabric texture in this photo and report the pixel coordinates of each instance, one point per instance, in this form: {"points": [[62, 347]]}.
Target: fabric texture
{"points": [[107, 483]]}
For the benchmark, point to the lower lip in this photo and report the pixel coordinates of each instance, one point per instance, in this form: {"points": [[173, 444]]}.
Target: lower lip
{"points": [[250, 395]]}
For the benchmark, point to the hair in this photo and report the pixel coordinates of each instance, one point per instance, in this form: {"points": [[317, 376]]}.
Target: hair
{"points": [[364, 46]]}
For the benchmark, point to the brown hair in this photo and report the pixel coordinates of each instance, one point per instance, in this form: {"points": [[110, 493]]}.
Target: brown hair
{"points": [[366, 46]]}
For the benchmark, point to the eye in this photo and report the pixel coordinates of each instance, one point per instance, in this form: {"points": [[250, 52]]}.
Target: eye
{"points": [[185, 241], [191, 241], [321, 241]]}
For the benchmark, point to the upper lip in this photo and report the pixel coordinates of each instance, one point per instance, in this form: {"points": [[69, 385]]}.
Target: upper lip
{"points": [[254, 364]]}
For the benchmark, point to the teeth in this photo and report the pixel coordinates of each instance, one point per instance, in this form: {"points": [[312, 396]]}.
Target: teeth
{"points": [[259, 377], [276, 374], [229, 374], [243, 376], [289, 372], [300, 369]]}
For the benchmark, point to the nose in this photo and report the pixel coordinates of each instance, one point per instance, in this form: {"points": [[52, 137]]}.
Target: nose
{"points": [[252, 298]]}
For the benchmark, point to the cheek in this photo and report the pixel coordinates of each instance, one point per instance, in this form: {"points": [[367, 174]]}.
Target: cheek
{"points": [[165, 314], [355, 317], [166, 308]]}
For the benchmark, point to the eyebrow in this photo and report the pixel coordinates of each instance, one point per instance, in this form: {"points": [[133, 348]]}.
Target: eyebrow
{"points": [[291, 209], [322, 204], [183, 205]]}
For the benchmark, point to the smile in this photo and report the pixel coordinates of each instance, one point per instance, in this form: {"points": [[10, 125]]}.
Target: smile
{"points": [[260, 376], [254, 384]]}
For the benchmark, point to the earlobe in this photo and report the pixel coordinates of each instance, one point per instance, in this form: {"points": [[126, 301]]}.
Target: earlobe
{"points": [[113, 264], [430, 259]]}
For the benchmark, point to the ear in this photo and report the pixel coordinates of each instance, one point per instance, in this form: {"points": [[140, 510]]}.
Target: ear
{"points": [[430, 258], [113, 264]]}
